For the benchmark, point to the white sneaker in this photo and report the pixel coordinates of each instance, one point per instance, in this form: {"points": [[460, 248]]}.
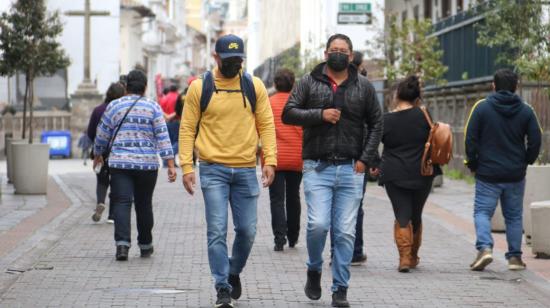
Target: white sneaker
{"points": [[98, 211]]}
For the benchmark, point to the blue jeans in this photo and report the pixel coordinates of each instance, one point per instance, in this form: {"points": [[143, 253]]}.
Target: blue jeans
{"points": [[239, 187], [135, 186], [511, 202], [333, 196]]}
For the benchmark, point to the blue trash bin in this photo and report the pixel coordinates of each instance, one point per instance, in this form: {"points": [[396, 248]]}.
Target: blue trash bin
{"points": [[59, 141]]}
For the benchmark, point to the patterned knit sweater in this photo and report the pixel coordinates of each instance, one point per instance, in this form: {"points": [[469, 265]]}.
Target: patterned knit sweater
{"points": [[141, 137]]}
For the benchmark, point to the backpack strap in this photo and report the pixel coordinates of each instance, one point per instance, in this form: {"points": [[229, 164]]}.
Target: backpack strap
{"points": [[207, 89], [247, 85]]}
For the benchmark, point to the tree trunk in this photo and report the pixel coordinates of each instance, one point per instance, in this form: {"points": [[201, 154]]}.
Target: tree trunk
{"points": [[25, 98], [31, 107]]}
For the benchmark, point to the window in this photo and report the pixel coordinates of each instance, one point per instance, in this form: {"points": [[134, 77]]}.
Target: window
{"points": [[403, 16], [416, 12], [459, 5], [445, 8], [428, 9]]}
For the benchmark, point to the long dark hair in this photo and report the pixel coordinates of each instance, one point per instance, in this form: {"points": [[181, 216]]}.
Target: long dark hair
{"points": [[115, 90]]}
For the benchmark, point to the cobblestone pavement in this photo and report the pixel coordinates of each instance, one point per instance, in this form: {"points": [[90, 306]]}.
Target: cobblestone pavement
{"points": [[78, 269]]}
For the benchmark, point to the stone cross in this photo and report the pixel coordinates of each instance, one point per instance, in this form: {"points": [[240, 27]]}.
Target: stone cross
{"points": [[87, 13]]}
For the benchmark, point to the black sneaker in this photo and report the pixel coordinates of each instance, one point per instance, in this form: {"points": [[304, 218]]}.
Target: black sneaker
{"points": [[278, 247], [146, 253], [339, 298], [292, 244], [224, 299], [358, 260], [235, 282], [122, 252], [313, 285]]}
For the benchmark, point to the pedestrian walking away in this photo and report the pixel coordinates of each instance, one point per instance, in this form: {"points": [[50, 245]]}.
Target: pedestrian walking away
{"points": [[171, 116], [284, 193], [230, 108], [115, 91], [502, 137], [336, 106], [131, 134], [406, 131], [85, 144]]}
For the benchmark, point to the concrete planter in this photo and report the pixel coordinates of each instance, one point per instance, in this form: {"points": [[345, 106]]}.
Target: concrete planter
{"points": [[536, 189], [540, 212], [9, 157], [30, 168]]}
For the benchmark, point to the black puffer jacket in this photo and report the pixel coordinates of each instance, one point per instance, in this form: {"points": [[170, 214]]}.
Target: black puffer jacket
{"points": [[357, 134]]}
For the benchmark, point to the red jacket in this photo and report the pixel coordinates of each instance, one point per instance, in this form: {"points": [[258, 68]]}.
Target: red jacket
{"points": [[289, 138]]}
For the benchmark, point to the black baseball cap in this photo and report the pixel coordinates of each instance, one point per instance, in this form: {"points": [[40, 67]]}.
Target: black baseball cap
{"points": [[230, 46]]}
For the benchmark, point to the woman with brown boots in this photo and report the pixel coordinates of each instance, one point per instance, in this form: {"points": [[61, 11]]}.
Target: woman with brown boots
{"points": [[405, 134]]}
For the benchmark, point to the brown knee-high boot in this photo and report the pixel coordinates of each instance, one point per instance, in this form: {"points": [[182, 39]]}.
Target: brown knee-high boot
{"points": [[417, 241], [403, 239]]}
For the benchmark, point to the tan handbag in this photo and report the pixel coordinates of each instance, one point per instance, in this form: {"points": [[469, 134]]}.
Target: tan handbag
{"points": [[438, 149]]}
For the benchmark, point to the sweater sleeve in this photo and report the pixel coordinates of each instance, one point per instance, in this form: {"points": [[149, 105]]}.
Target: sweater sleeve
{"points": [[104, 131], [265, 124], [188, 126], [92, 125], [471, 138]]}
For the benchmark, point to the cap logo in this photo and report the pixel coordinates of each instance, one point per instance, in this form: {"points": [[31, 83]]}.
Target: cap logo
{"points": [[233, 46]]}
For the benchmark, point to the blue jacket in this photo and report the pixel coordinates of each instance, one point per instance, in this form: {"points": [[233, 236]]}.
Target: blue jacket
{"points": [[502, 136]]}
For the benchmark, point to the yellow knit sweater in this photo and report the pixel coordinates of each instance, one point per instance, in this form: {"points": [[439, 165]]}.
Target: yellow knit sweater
{"points": [[228, 132]]}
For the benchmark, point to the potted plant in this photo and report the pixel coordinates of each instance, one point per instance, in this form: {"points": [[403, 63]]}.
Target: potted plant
{"points": [[28, 45]]}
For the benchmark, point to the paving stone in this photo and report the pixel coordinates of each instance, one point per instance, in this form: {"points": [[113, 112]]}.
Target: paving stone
{"points": [[85, 273]]}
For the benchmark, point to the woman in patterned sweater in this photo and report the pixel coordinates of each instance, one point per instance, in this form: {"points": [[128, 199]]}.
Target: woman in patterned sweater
{"points": [[135, 128]]}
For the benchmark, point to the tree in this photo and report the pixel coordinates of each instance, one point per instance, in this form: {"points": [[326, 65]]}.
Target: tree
{"points": [[523, 31], [28, 44], [299, 65], [411, 50]]}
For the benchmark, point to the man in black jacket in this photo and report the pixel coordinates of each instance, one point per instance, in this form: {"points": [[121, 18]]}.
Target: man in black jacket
{"points": [[503, 136], [336, 106]]}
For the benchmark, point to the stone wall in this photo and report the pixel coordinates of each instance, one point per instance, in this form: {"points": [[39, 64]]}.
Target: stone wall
{"points": [[452, 105], [43, 121]]}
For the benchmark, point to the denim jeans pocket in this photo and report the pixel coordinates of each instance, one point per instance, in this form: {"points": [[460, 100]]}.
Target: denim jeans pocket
{"points": [[253, 187], [205, 173], [310, 165]]}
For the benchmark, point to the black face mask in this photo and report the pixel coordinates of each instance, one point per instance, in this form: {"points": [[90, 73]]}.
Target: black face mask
{"points": [[230, 67], [338, 61]]}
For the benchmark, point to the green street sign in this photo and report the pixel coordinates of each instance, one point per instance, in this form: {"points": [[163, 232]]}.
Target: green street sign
{"points": [[347, 7]]}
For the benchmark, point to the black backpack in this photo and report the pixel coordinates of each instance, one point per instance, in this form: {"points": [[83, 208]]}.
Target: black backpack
{"points": [[209, 86]]}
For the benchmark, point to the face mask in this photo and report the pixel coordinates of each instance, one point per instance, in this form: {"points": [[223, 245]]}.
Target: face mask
{"points": [[230, 67], [338, 61]]}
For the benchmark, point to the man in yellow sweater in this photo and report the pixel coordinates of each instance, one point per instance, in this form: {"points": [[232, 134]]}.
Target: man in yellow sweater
{"points": [[228, 127]]}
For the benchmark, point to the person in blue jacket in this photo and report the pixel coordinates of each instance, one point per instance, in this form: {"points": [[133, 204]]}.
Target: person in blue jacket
{"points": [[502, 137]]}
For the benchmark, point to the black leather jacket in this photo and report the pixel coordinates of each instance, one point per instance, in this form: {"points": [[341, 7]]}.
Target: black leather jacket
{"points": [[357, 134]]}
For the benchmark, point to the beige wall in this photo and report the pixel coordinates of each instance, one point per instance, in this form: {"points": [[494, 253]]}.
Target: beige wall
{"points": [[279, 27]]}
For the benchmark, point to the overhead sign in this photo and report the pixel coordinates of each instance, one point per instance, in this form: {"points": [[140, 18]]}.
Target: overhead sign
{"points": [[354, 19], [346, 7], [354, 13]]}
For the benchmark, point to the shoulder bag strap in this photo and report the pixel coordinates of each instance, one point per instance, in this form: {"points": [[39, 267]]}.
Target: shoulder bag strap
{"points": [[112, 141], [426, 115]]}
